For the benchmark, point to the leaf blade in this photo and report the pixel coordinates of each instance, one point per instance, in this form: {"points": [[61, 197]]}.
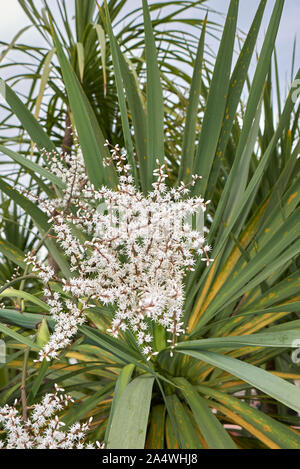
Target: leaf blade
{"points": [[129, 423]]}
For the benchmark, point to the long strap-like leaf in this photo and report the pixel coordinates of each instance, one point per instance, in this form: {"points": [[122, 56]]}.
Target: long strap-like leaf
{"points": [[216, 102], [273, 386], [155, 107]]}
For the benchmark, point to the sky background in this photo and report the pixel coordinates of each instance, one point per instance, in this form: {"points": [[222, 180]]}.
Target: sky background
{"points": [[289, 28], [13, 18]]}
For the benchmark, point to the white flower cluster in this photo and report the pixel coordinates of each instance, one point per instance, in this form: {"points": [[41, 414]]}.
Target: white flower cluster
{"points": [[43, 429], [134, 255]]}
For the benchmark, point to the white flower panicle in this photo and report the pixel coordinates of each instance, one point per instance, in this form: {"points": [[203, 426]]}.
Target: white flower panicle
{"points": [[136, 251], [43, 429]]}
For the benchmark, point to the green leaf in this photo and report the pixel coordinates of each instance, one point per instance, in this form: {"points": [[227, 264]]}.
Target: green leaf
{"points": [[40, 220], [84, 11], [251, 109], [210, 427], [254, 182], [237, 81], [11, 292], [101, 38], [26, 163], [253, 100], [274, 430], [260, 267], [216, 102], [37, 215], [79, 411], [138, 115], [184, 426], [24, 320], [156, 432], [189, 136], [245, 314], [122, 381], [129, 423], [80, 58], [121, 98], [18, 337], [38, 380], [266, 339], [240, 169], [110, 344], [44, 79], [155, 104], [42, 337], [13, 253], [118, 348], [28, 121], [90, 135], [13, 42], [273, 386]]}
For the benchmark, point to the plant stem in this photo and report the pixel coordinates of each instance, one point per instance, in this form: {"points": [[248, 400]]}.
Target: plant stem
{"points": [[23, 385]]}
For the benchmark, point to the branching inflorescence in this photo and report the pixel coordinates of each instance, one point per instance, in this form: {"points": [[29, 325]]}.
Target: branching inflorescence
{"points": [[125, 248], [43, 429]]}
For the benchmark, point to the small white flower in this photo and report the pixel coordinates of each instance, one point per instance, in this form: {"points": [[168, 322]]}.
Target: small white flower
{"points": [[42, 427]]}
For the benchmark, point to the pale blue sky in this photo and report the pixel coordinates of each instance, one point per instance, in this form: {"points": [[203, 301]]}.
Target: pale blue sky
{"points": [[12, 19], [288, 29]]}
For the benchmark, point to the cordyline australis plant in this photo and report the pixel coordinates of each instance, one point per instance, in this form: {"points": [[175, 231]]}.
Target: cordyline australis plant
{"points": [[43, 429], [231, 380], [137, 252]]}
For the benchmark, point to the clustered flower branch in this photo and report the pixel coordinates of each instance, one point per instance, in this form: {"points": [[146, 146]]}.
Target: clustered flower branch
{"points": [[125, 248], [43, 429]]}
